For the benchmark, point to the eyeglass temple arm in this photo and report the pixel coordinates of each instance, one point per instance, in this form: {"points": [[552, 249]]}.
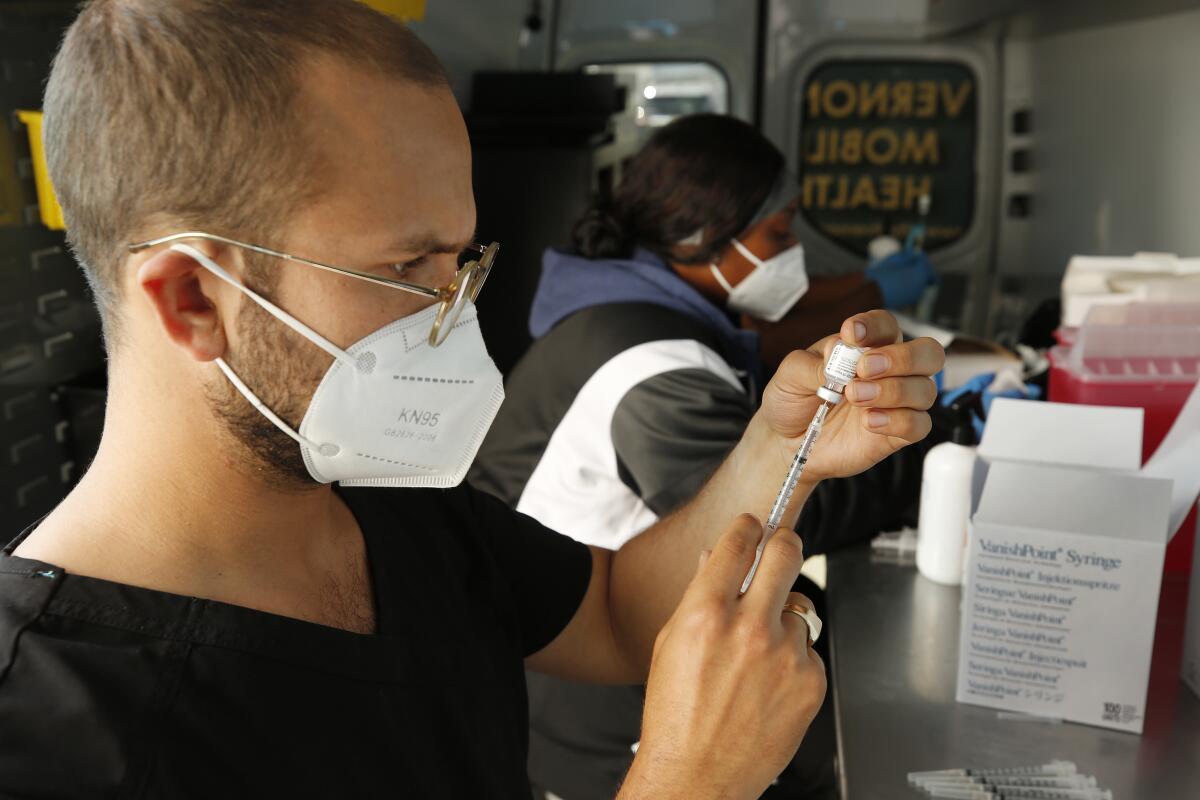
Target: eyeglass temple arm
{"points": [[411, 287]]}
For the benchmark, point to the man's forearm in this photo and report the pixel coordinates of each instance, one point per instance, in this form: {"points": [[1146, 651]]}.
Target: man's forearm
{"points": [[650, 573]]}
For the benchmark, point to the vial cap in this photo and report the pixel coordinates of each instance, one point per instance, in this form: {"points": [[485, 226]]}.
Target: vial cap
{"points": [[829, 395]]}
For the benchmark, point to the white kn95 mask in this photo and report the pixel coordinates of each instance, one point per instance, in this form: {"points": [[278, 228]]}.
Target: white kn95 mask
{"points": [[391, 410], [771, 288]]}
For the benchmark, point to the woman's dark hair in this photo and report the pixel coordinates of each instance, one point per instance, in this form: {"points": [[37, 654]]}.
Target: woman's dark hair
{"points": [[705, 171]]}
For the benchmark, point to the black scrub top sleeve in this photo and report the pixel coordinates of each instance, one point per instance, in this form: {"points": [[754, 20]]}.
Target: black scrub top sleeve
{"points": [[547, 573]]}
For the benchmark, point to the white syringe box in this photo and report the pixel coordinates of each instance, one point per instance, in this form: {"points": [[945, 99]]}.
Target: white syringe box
{"points": [[1064, 565]]}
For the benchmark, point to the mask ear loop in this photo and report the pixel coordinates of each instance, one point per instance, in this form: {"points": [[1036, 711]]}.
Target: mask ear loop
{"points": [[326, 449], [720, 278], [745, 251], [741, 248], [272, 309]]}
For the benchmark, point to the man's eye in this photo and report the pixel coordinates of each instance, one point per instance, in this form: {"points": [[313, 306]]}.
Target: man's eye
{"points": [[405, 268]]}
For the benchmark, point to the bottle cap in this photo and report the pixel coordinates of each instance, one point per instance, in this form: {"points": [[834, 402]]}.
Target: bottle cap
{"points": [[962, 407]]}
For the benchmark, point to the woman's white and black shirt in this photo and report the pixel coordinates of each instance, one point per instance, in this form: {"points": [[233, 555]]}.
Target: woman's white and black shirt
{"points": [[632, 394], [619, 416]]}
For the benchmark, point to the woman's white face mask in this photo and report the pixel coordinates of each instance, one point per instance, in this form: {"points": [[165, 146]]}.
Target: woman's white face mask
{"points": [[771, 288]]}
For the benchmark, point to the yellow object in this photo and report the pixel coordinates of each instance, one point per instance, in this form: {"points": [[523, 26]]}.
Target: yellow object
{"points": [[51, 211], [407, 10]]}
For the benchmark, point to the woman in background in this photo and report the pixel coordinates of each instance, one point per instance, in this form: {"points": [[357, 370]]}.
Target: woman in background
{"points": [[642, 378]]}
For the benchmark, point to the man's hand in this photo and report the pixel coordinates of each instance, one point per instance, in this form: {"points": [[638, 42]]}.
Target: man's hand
{"points": [[734, 682], [884, 410]]}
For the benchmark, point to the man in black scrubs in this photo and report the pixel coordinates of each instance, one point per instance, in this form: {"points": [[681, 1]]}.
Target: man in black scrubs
{"points": [[272, 201]]}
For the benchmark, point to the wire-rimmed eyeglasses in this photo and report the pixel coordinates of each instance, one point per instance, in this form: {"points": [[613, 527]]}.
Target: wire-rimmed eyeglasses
{"points": [[474, 264]]}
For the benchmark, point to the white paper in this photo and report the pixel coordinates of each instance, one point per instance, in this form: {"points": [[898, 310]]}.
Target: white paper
{"points": [[916, 329], [1099, 280], [1161, 263], [1178, 459], [1108, 264], [1096, 437], [1094, 503]]}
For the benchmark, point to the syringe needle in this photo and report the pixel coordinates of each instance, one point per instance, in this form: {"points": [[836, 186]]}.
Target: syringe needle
{"points": [[775, 518], [840, 369], [796, 470]]}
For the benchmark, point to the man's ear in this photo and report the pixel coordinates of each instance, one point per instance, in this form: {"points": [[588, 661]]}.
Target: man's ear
{"points": [[171, 282]]}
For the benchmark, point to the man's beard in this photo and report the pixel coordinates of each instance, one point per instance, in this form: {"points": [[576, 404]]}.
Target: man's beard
{"points": [[277, 366]]}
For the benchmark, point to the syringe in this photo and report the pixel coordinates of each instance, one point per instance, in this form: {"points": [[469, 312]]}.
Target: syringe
{"points": [[1057, 767], [840, 369]]}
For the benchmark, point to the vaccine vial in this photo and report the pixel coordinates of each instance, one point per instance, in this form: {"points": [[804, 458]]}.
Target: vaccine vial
{"points": [[840, 369]]}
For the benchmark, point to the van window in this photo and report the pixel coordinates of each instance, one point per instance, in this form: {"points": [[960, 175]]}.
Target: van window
{"points": [[657, 93]]}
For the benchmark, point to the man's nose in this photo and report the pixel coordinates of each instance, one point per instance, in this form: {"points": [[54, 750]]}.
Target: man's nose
{"points": [[446, 268]]}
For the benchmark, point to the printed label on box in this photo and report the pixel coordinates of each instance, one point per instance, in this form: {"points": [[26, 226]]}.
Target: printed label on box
{"points": [[1059, 626]]}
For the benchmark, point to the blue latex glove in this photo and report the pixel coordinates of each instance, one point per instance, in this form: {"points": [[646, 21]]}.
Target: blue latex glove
{"points": [[902, 277], [1031, 392], [977, 384], [980, 383]]}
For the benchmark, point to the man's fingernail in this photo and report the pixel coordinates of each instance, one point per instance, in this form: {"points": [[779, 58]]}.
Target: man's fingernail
{"points": [[877, 419], [860, 331], [863, 391], [875, 364]]}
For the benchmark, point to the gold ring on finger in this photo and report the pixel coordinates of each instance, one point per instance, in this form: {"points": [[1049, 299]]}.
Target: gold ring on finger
{"points": [[809, 616]]}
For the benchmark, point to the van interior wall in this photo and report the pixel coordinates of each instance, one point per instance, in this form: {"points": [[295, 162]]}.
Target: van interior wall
{"points": [[469, 36], [1116, 123], [1115, 118], [521, 198], [52, 367]]}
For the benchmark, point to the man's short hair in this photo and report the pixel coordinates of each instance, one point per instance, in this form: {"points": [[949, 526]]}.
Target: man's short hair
{"points": [[186, 112]]}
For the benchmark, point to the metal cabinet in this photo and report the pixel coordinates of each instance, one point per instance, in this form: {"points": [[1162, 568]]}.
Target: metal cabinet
{"points": [[51, 354]]}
